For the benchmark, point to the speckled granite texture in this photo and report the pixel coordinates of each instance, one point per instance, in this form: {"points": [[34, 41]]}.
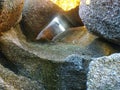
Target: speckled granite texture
{"points": [[102, 17], [104, 73]]}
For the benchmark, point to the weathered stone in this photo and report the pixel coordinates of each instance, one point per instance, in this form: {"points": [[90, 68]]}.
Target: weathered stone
{"points": [[102, 18], [73, 72], [10, 12], [38, 13], [11, 81], [46, 62], [104, 73]]}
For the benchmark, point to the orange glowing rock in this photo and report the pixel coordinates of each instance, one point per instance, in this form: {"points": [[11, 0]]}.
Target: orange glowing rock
{"points": [[67, 5], [10, 13]]}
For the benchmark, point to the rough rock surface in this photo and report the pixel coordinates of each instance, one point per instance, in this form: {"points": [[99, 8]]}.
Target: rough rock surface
{"points": [[10, 12], [104, 73], [10, 81], [74, 72], [102, 18]]}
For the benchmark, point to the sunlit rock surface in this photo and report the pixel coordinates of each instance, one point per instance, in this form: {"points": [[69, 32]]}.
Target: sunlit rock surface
{"points": [[66, 5], [10, 12], [47, 63], [102, 17], [104, 73]]}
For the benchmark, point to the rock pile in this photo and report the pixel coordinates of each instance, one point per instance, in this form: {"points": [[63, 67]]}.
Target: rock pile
{"points": [[76, 60], [47, 63], [102, 18]]}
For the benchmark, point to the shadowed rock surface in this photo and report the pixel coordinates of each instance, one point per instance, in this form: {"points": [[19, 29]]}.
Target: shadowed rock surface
{"points": [[102, 18], [73, 72], [104, 73], [10, 81]]}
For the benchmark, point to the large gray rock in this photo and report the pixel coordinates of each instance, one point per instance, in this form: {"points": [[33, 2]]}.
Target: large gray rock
{"points": [[10, 81], [102, 18], [104, 73]]}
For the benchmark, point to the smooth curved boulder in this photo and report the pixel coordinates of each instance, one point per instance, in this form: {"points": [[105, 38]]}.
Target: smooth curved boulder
{"points": [[10, 12], [102, 18], [38, 13]]}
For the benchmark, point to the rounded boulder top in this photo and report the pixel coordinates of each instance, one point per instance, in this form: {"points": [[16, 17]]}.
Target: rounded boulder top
{"points": [[102, 18]]}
